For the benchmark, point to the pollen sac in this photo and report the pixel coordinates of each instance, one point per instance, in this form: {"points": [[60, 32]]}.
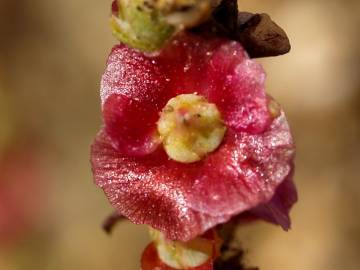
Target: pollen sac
{"points": [[190, 128], [147, 24]]}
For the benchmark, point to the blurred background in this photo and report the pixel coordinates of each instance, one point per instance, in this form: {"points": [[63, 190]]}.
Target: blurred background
{"points": [[52, 54]]}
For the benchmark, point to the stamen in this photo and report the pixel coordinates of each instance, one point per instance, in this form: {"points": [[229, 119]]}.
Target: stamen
{"points": [[190, 128]]}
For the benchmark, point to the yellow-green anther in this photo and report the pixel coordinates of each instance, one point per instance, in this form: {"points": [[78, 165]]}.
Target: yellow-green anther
{"points": [[190, 128]]}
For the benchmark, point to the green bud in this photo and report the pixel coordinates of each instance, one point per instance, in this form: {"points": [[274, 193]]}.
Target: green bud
{"points": [[147, 24], [140, 26]]}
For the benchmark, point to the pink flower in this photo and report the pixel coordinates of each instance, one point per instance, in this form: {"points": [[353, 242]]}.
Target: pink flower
{"points": [[185, 200]]}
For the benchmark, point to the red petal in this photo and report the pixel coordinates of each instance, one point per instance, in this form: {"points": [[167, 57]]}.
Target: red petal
{"points": [[131, 125], [132, 93], [150, 261], [184, 200], [185, 62], [237, 88]]}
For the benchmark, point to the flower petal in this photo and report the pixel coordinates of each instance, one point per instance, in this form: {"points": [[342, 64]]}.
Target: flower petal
{"points": [[185, 70], [132, 94], [184, 200], [237, 88], [131, 125]]}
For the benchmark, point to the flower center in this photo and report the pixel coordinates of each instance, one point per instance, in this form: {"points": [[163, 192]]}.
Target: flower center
{"points": [[190, 128], [182, 255]]}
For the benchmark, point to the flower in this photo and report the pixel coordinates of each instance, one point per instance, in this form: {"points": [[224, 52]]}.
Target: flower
{"points": [[140, 177]]}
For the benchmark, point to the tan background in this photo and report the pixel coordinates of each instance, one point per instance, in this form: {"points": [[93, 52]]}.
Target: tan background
{"points": [[52, 54]]}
